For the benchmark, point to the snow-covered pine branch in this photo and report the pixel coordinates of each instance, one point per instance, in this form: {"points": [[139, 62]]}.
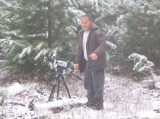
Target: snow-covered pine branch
{"points": [[9, 45], [111, 45], [6, 3], [141, 63], [25, 51], [41, 53]]}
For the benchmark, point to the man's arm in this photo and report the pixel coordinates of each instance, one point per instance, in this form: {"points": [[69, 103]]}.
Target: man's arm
{"points": [[100, 37]]}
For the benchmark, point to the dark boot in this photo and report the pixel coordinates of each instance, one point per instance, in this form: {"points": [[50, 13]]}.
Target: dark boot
{"points": [[98, 105]]}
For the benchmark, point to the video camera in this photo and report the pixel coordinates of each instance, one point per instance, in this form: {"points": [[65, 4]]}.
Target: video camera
{"points": [[62, 66], [61, 63]]}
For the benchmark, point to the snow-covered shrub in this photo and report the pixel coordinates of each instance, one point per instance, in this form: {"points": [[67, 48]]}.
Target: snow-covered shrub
{"points": [[141, 63], [142, 66]]}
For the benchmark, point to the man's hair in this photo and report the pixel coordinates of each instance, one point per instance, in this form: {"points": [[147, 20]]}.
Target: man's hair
{"points": [[89, 17]]}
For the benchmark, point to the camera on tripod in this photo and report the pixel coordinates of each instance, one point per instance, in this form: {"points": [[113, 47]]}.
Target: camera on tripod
{"points": [[61, 63], [62, 68], [58, 63]]}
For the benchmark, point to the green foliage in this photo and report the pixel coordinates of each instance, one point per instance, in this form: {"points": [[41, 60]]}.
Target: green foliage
{"points": [[136, 30], [28, 59], [54, 23], [142, 35], [32, 22]]}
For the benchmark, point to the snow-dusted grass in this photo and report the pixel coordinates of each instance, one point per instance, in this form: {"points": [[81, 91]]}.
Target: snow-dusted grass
{"points": [[124, 99]]}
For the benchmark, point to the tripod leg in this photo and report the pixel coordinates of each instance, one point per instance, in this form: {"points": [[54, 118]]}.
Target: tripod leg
{"points": [[67, 89], [58, 89], [52, 91]]}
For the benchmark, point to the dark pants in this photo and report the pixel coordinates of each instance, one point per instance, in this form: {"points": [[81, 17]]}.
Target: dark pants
{"points": [[94, 84]]}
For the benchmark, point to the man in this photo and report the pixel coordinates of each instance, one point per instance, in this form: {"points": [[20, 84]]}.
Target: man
{"points": [[91, 58]]}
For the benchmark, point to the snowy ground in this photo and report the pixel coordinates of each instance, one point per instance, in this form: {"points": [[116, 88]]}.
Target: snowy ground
{"points": [[124, 99]]}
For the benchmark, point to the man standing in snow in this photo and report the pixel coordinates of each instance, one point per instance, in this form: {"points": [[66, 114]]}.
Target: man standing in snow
{"points": [[91, 58]]}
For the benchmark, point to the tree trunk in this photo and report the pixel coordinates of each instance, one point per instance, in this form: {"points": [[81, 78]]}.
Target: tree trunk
{"points": [[49, 39]]}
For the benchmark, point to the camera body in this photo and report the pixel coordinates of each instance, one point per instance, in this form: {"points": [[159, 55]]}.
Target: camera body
{"points": [[61, 63]]}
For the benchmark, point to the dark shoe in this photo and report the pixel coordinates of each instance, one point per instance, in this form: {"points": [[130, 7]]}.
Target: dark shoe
{"points": [[98, 106], [89, 104]]}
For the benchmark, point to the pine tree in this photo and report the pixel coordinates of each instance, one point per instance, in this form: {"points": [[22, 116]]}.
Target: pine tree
{"points": [[142, 34]]}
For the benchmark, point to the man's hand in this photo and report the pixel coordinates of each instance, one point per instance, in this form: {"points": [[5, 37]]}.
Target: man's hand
{"points": [[76, 67], [93, 56]]}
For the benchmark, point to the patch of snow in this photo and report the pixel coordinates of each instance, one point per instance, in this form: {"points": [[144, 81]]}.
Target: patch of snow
{"points": [[123, 99], [57, 103], [14, 89], [147, 114]]}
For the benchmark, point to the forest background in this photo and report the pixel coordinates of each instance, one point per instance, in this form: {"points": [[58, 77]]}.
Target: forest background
{"points": [[31, 30]]}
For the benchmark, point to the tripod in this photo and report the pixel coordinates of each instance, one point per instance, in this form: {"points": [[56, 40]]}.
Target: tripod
{"points": [[58, 79], [62, 67]]}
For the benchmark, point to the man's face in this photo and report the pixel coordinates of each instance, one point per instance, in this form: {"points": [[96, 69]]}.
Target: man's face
{"points": [[85, 23]]}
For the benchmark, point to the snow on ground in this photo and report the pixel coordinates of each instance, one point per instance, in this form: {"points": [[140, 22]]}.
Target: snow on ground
{"points": [[124, 99]]}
